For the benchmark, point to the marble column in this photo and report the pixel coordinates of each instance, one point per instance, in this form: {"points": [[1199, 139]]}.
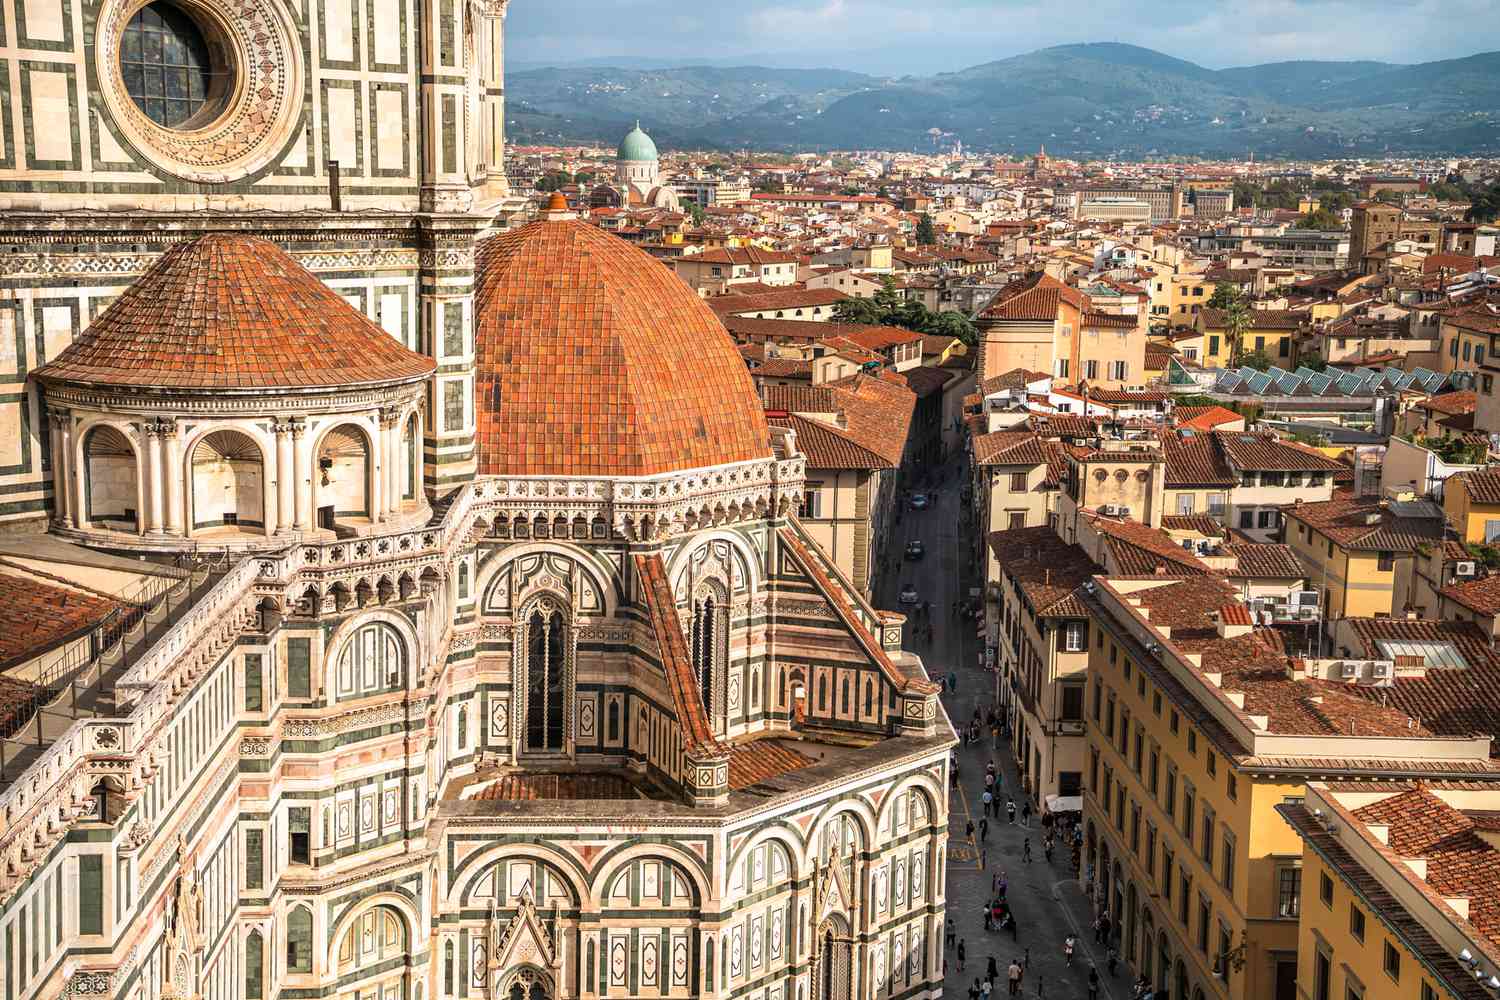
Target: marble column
{"points": [[155, 515], [173, 474], [302, 480], [390, 422], [286, 473], [61, 485], [75, 478]]}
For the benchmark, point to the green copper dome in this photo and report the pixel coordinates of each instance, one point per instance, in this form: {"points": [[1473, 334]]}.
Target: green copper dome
{"points": [[637, 146]]}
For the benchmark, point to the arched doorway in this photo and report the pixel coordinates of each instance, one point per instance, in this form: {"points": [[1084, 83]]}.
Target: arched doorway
{"points": [[373, 959], [228, 478], [834, 964], [343, 477], [111, 472], [1181, 981]]}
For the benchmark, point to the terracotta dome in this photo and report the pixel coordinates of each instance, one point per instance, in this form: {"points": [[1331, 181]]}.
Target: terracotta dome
{"points": [[233, 312], [594, 359]]}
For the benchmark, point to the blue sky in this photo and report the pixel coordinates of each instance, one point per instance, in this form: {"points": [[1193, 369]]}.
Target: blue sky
{"points": [[894, 37]]}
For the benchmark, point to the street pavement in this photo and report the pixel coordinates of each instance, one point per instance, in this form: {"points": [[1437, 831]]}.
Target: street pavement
{"points": [[1046, 899]]}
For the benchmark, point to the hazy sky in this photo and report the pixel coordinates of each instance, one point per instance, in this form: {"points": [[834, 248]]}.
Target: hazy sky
{"points": [[926, 36]]}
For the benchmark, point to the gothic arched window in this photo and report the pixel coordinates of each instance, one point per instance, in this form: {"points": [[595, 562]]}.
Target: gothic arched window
{"points": [[546, 680], [709, 638]]}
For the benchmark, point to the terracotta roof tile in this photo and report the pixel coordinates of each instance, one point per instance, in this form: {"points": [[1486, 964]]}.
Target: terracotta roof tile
{"points": [[228, 311], [1047, 569], [542, 787], [1450, 701], [1483, 484], [1362, 524], [36, 616], [682, 679], [761, 760], [783, 299], [593, 359]]}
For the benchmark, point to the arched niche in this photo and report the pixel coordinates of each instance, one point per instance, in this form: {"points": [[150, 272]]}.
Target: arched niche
{"points": [[112, 480], [227, 479]]}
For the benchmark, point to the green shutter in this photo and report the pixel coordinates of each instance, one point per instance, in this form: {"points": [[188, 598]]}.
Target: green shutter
{"points": [[90, 894], [299, 667]]}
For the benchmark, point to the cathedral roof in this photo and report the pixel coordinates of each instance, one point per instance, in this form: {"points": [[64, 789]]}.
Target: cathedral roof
{"points": [[637, 146], [594, 359], [227, 311]]}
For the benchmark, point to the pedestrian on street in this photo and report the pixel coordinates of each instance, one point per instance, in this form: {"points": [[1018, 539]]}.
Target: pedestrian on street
{"points": [[989, 780], [969, 830], [984, 989], [1010, 810], [1003, 883], [974, 991], [952, 682], [950, 935], [1068, 944], [1026, 849], [987, 800], [1047, 849], [984, 829], [995, 883], [1026, 814], [1093, 983], [960, 954], [984, 857], [1105, 926], [1013, 975], [1111, 960], [992, 969], [1099, 929], [1015, 931]]}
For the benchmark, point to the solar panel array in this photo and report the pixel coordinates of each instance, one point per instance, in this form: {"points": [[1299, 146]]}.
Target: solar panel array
{"points": [[1332, 381]]}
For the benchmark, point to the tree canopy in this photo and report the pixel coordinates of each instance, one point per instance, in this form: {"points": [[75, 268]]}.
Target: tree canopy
{"points": [[926, 232], [889, 308]]}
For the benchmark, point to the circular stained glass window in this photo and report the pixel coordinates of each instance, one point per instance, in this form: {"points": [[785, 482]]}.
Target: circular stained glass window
{"points": [[170, 67]]}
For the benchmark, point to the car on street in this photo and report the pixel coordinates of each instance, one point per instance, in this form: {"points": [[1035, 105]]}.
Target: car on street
{"points": [[915, 549], [908, 594], [920, 501]]}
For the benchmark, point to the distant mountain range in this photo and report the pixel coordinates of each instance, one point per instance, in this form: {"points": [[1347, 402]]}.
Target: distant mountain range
{"points": [[1079, 100]]}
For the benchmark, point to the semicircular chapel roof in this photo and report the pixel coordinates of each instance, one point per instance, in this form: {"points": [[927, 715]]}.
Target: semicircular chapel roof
{"points": [[595, 359], [233, 312]]}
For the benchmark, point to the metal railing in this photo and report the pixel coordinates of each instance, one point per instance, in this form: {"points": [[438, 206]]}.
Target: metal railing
{"points": [[78, 681]]}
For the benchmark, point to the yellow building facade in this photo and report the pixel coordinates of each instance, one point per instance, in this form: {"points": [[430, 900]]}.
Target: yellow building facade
{"points": [[1194, 741]]}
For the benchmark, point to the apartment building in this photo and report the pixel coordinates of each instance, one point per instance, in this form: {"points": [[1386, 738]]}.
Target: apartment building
{"points": [[855, 434], [1198, 727], [1403, 884], [1041, 324], [1242, 479], [717, 272], [1042, 656], [1361, 552]]}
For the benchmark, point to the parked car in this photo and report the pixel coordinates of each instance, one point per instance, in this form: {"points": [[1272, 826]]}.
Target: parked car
{"points": [[915, 549], [920, 501], [908, 594]]}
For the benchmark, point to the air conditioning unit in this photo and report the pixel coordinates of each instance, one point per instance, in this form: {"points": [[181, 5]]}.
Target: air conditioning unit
{"points": [[1465, 568], [1349, 670], [1187, 543], [1305, 598], [1381, 670]]}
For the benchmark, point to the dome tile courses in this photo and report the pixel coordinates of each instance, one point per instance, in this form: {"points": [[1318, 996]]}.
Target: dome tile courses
{"points": [[594, 359]]}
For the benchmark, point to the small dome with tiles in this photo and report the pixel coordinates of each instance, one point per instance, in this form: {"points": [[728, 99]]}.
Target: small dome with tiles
{"points": [[594, 359], [233, 312]]}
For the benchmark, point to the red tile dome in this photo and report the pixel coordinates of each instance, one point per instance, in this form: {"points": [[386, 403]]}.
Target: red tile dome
{"points": [[227, 311], [594, 359]]}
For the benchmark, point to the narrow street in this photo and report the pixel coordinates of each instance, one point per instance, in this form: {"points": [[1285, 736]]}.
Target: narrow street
{"points": [[1047, 901]]}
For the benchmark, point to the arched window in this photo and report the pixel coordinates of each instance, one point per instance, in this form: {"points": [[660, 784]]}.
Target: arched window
{"points": [[343, 475], [546, 679], [372, 954], [710, 636], [614, 721], [372, 662], [299, 939], [255, 976], [835, 978]]}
